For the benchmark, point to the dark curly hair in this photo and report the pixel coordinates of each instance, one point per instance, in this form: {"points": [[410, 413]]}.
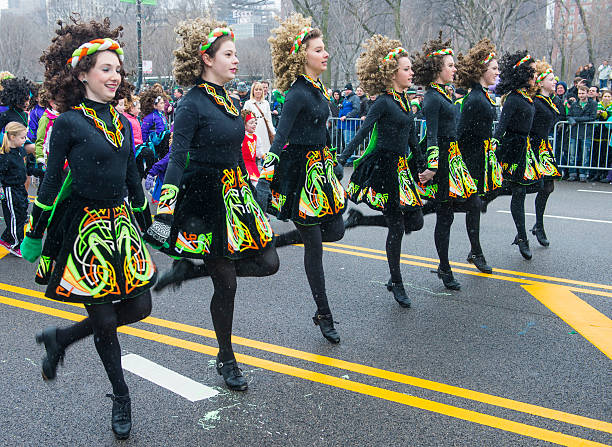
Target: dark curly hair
{"points": [[148, 97], [470, 67], [426, 69], [61, 80], [15, 92], [512, 77]]}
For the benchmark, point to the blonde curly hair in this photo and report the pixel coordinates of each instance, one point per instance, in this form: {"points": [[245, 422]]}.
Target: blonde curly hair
{"points": [[188, 64], [541, 66], [470, 67], [287, 67], [375, 74]]}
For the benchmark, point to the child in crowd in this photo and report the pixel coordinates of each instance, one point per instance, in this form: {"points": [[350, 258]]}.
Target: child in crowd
{"points": [[43, 134], [13, 176], [249, 145]]}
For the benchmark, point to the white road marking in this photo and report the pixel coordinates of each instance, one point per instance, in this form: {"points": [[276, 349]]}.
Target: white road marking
{"points": [[563, 217], [166, 378], [594, 190]]}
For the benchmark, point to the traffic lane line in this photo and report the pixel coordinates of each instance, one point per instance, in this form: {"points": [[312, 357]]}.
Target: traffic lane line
{"points": [[471, 266], [356, 387], [585, 319], [581, 219], [166, 378], [595, 191], [468, 272], [490, 399]]}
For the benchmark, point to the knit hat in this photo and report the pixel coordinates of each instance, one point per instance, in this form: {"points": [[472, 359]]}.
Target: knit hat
{"points": [[348, 86], [242, 87]]}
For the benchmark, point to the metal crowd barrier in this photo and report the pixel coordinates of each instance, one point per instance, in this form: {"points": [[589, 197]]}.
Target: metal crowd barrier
{"points": [[583, 148]]}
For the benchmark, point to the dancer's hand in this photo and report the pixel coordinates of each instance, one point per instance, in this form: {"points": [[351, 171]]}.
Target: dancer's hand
{"points": [[426, 175], [31, 248]]}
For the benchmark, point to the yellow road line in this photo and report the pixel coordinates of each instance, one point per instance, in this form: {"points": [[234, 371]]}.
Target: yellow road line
{"points": [[588, 321], [357, 387], [511, 404], [467, 272], [509, 272]]}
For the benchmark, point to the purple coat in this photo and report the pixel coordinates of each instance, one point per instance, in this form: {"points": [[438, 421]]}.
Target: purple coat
{"points": [[35, 115], [154, 122], [159, 169]]}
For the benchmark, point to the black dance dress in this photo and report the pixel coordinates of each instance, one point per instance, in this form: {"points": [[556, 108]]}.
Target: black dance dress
{"points": [[475, 131], [519, 163], [207, 187], [545, 116], [305, 188], [382, 178], [452, 180], [94, 252]]}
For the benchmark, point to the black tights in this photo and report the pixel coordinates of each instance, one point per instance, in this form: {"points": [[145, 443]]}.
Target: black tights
{"points": [[223, 273], [313, 236], [517, 208], [445, 215], [102, 322], [398, 223], [548, 186]]}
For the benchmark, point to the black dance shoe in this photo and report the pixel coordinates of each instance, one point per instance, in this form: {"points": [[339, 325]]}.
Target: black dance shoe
{"points": [[480, 262], [523, 245], [448, 279], [182, 270], [232, 375], [399, 293], [326, 324], [540, 236], [121, 420], [353, 218], [55, 353]]}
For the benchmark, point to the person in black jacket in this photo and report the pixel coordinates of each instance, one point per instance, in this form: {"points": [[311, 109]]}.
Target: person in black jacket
{"points": [[520, 165], [545, 116], [14, 94], [12, 190], [110, 272], [207, 208], [453, 185], [478, 70], [304, 186], [581, 135], [382, 178]]}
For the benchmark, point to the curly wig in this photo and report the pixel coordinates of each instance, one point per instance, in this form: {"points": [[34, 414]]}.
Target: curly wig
{"points": [[512, 77], [426, 69], [541, 67], [374, 73], [470, 67], [15, 92], [188, 64], [148, 97], [61, 80], [288, 66], [130, 101]]}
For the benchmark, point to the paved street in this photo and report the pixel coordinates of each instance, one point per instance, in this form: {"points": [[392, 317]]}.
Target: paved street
{"points": [[522, 357]]}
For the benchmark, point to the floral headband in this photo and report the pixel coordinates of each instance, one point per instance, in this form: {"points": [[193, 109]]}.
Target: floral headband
{"points": [[522, 61], [489, 58], [297, 42], [214, 35], [395, 53], [442, 52], [93, 46], [543, 76]]}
